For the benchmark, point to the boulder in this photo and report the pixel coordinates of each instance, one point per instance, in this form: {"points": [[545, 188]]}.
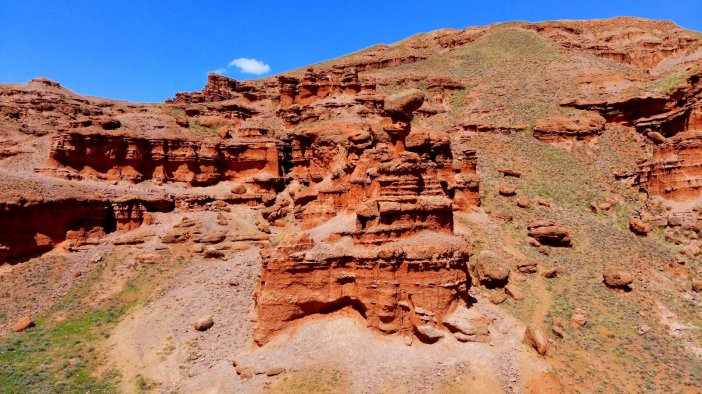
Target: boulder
{"points": [[498, 297], [467, 325], [578, 318], [582, 125], [507, 190], [204, 323], [523, 202], [510, 172], [550, 273], [43, 241], [536, 338], [656, 137], [617, 278], [697, 285], [489, 270], [558, 327], [543, 202], [238, 188], [639, 227], [23, 324], [211, 238], [403, 104], [528, 267], [548, 233], [149, 258], [428, 334], [212, 253], [274, 371], [177, 235], [514, 292]]}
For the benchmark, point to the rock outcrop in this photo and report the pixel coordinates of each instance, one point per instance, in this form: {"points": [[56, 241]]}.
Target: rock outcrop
{"points": [[675, 170], [581, 126], [29, 228], [401, 268], [136, 159], [401, 287], [547, 232]]}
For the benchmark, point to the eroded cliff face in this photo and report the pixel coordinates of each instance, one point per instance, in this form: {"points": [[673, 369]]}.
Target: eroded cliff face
{"points": [[401, 268], [403, 286], [134, 159], [33, 227]]}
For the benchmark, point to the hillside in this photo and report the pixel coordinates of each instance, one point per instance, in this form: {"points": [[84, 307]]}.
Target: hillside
{"points": [[510, 208]]}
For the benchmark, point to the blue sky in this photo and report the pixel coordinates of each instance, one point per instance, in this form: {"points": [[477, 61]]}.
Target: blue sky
{"points": [[147, 50]]}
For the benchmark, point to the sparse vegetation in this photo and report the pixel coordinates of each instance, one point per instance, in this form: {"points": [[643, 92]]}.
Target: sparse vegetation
{"points": [[309, 381], [59, 354]]}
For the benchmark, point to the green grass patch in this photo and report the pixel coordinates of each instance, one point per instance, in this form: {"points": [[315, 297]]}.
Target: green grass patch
{"points": [[671, 82], [59, 354]]}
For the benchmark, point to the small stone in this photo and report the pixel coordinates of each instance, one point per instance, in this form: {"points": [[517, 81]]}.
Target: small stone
{"points": [[697, 285], [550, 273]]}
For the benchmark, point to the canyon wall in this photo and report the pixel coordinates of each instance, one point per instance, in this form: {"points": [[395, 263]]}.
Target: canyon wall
{"points": [[199, 163]]}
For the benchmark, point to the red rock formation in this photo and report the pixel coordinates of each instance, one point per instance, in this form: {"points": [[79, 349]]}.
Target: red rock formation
{"points": [[218, 88], [30, 228], [581, 126], [642, 43], [675, 170], [135, 159], [398, 287], [401, 269], [318, 85]]}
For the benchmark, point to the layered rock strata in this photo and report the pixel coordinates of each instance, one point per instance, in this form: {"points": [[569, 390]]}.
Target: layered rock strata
{"points": [[401, 268], [33, 227], [135, 159]]}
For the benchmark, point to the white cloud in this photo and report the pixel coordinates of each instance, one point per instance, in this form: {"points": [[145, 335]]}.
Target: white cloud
{"points": [[250, 66], [220, 71]]}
